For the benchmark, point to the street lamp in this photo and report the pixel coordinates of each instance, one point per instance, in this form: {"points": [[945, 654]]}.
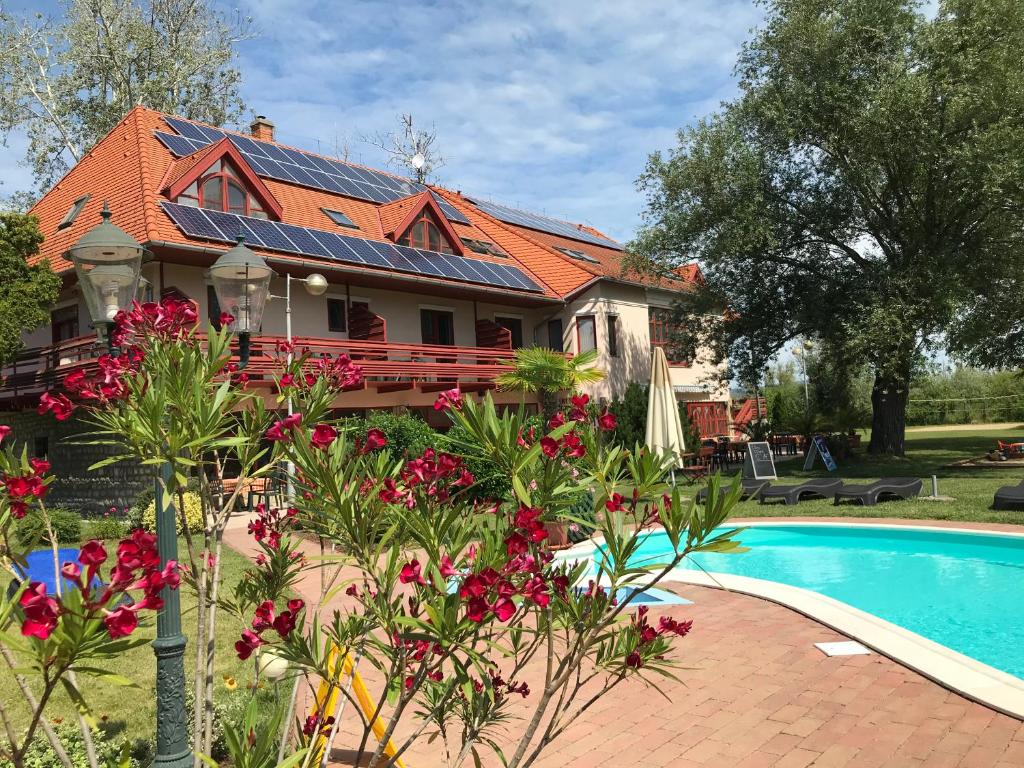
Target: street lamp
{"points": [[801, 354], [108, 262], [241, 280]]}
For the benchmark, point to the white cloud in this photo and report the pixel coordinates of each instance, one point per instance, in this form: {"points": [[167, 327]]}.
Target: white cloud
{"points": [[552, 106]]}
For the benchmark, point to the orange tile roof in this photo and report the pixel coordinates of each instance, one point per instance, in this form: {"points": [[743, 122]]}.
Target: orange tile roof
{"points": [[129, 168]]}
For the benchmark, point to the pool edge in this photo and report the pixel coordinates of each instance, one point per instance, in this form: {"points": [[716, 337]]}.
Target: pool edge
{"points": [[952, 670]]}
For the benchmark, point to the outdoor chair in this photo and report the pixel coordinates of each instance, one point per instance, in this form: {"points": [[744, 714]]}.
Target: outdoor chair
{"points": [[889, 487], [816, 488], [751, 489], [1009, 497]]}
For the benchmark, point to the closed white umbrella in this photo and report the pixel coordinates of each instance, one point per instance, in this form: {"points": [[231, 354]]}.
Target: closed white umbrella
{"points": [[664, 428]]}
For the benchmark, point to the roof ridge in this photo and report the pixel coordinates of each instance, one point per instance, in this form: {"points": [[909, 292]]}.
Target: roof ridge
{"points": [[148, 192]]}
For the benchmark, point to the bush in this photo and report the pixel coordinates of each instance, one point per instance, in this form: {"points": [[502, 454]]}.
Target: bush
{"points": [[407, 434], [193, 514], [109, 749], [106, 528], [67, 527]]}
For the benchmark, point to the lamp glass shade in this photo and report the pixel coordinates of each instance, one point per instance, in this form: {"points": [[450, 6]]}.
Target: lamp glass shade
{"points": [[241, 280]]}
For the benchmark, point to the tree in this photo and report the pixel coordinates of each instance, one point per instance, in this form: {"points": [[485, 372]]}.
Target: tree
{"points": [[548, 374], [860, 190], [67, 84], [410, 149], [26, 293]]}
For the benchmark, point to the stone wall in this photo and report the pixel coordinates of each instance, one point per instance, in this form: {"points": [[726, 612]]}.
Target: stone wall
{"points": [[89, 493]]}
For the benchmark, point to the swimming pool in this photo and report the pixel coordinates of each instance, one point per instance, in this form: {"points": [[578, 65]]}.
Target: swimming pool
{"points": [[962, 590]]}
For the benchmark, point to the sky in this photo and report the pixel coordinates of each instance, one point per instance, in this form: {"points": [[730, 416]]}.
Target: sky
{"points": [[549, 106]]}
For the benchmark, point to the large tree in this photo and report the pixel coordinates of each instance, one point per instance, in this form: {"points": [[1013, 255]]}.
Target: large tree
{"points": [[66, 83], [26, 293], [859, 189]]}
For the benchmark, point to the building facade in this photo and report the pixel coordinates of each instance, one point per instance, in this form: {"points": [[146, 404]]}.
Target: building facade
{"points": [[428, 287]]}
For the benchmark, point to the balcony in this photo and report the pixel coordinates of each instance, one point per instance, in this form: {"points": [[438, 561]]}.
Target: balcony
{"points": [[387, 366]]}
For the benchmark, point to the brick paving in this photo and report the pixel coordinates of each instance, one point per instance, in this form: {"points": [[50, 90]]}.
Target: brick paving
{"points": [[753, 693]]}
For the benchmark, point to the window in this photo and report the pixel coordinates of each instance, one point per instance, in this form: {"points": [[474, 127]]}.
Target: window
{"points": [[556, 335], [437, 326], [613, 335], [212, 308], [64, 323], [337, 316], [340, 218], [586, 333], [482, 246], [660, 323], [424, 233], [73, 211], [515, 329], [572, 253], [222, 190]]}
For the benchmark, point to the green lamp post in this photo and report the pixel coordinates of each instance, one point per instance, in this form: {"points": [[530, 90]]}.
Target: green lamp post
{"points": [[241, 280], [108, 262]]}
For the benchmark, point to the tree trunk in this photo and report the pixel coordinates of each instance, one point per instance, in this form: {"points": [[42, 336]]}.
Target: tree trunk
{"points": [[888, 415]]}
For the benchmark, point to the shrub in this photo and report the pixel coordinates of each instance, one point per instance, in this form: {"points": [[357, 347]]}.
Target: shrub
{"points": [[407, 433], [193, 514], [107, 528], [109, 750], [67, 526]]}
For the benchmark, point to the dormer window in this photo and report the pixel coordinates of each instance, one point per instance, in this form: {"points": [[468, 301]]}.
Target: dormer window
{"points": [[424, 233], [221, 189]]}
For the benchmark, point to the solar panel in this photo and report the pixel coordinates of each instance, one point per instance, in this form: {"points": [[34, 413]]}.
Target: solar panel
{"points": [[543, 224], [297, 167], [317, 243], [450, 211]]}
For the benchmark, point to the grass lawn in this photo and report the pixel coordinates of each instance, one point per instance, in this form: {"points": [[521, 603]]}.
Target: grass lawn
{"points": [[928, 453], [133, 710]]}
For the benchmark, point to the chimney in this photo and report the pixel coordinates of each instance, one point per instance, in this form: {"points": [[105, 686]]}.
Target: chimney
{"points": [[262, 129]]}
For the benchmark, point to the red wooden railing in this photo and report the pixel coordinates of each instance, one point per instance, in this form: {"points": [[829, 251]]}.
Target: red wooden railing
{"points": [[490, 334], [710, 418], [748, 411], [386, 365]]}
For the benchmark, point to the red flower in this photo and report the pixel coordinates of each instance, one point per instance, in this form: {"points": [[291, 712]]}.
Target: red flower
{"points": [[281, 431], [58, 404], [614, 504], [516, 544], [121, 623], [634, 660], [607, 421], [668, 625], [473, 586], [313, 721], [411, 573], [573, 446], [72, 573], [39, 466], [476, 609], [40, 611], [375, 439], [579, 407], [226, 318], [450, 398], [285, 623], [537, 590], [503, 608], [323, 436], [249, 642], [556, 421], [4, 431], [446, 568], [549, 447]]}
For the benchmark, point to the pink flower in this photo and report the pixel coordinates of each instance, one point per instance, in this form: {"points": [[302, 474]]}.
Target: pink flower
{"points": [[225, 319], [248, 643], [58, 404], [40, 611], [375, 439], [323, 436], [121, 623], [450, 398], [281, 431], [447, 569], [411, 573], [606, 421], [549, 447], [72, 573], [4, 431]]}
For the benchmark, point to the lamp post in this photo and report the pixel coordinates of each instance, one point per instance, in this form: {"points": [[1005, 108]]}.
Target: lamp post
{"points": [[108, 262], [241, 280], [801, 354]]}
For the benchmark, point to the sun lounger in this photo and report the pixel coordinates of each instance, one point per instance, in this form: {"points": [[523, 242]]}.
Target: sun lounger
{"points": [[818, 487], [889, 487], [750, 489], [1009, 496]]}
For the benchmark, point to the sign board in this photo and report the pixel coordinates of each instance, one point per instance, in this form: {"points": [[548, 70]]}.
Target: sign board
{"points": [[759, 463], [819, 447]]}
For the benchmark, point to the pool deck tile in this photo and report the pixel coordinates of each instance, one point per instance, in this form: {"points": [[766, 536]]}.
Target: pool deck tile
{"points": [[755, 693]]}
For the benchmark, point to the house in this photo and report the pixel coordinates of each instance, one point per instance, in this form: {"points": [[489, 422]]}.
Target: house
{"points": [[427, 286]]}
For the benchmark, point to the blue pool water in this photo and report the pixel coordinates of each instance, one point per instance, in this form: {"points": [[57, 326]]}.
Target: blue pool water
{"points": [[965, 591]]}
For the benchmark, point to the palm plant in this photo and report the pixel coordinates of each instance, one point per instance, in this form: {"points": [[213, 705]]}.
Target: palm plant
{"points": [[548, 373]]}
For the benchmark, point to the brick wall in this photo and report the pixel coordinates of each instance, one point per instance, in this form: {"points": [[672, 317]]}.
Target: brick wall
{"points": [[89, 493]]}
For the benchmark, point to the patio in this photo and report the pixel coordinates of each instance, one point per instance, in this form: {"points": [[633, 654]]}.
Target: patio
{"points": [[754, 691]]}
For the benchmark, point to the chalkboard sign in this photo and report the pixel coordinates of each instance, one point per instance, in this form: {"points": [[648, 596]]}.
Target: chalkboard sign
{"points": [[819, 447], [759, 463]]}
